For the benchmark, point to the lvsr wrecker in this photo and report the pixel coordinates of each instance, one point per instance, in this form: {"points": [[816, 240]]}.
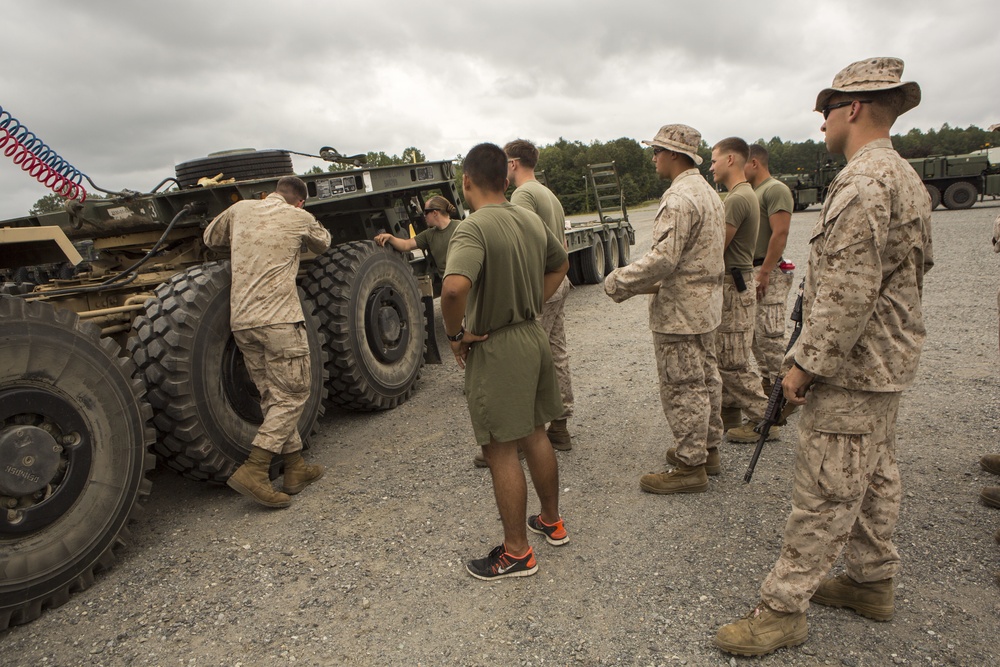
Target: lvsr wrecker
{"points": [[131, 360]]}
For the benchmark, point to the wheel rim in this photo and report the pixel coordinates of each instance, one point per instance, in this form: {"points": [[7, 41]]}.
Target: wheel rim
{"points": [[48, 444], [386, 324]]}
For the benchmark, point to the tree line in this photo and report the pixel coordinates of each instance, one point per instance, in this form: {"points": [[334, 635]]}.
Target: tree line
{"points": [[564, 163]]}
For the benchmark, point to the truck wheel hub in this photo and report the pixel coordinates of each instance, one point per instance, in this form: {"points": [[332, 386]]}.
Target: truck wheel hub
{"points": [[386, 327], [31, 458]]}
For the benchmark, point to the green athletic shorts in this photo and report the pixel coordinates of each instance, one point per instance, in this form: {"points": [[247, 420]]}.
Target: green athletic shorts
{"points": [[510, 383]]}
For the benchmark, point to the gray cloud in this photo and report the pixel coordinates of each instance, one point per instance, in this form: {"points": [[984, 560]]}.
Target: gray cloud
{"points": [[126, 90]]}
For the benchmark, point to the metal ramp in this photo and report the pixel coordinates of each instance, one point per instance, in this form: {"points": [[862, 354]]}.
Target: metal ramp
{"points": [[607, 189]]}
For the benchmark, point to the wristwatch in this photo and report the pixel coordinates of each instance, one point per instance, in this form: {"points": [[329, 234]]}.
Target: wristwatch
{"points": [[457, 337]]}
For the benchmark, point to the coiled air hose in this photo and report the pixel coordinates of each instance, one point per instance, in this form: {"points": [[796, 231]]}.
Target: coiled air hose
{"points": [[39, 161]]}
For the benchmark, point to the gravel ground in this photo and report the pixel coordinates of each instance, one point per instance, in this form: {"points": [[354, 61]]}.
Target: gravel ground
{"points": [[367, 567]]}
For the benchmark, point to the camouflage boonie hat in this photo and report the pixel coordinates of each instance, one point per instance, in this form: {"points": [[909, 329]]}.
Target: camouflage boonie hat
{"points": [[679, 139], [872, 75]]}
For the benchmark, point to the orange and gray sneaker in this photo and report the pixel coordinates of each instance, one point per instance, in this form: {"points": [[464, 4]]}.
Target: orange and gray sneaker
{"points": [[499, 564], [555, 534]]}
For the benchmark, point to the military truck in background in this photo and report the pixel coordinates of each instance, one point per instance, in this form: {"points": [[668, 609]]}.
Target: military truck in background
{"points": [[598, 247], [958, 181], [810, 187]]}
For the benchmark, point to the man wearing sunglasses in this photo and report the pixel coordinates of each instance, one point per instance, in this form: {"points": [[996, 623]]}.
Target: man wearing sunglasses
{"points": [[859, 348]]}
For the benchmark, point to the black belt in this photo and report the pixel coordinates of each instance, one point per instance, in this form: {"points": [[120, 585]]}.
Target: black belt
{"points": [[759, 262]]}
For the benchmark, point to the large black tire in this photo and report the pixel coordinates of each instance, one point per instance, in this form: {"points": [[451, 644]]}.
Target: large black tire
{"points": [[935, 194], [243, 165], [206, 408], [624, 248], [960, 195], [611, 257], [592, 262], [573, 273], [369, 305], [74, 438]]}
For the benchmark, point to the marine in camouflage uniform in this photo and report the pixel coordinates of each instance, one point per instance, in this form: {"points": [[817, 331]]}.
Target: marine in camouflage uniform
{"points": [[265, 239], [859, 348], [682, 272]]}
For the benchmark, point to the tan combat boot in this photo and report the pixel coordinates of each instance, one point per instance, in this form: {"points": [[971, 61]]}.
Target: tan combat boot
{"points": [[682, 479], [762, 631], [872, 600], [990, 463], [713, 465], [559, 435], [731, 418], [990, 495], [298, 475], [252, 480], [745, 433]]}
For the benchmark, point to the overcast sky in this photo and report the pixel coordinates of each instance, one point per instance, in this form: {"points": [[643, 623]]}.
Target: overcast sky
{"points": [[125, 90]]}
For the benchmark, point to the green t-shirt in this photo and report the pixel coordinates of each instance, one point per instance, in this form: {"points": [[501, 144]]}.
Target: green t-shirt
{"points": [[436, 242], [536, 197], [504, 251], [743, 213], [773, 196]]}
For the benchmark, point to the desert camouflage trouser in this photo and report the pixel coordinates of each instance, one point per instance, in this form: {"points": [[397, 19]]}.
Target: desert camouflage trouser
{"points": [[845, 495], [277, 358], [741, 386], [769, 330], [553, 321], [691, 392]]}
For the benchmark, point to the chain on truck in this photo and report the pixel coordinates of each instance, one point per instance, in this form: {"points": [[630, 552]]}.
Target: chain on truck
{"points": [[128, 359]]}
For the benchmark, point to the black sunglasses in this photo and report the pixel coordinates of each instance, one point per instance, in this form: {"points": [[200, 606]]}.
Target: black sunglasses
{"points": [[830, 107], [430, 210]]}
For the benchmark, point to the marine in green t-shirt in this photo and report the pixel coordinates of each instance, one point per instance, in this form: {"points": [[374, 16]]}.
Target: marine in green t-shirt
{"points": [[435, 239], [522, 157], [743, 214], [742, 394], [502, 265]]}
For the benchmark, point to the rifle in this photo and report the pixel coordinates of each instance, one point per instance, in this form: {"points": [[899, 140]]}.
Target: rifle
{"points": [[776, 401]]}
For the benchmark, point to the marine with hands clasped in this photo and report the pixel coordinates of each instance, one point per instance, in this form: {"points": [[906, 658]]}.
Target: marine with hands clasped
{"points": [[682, 273], [265, 239], [742, 394], [503, 264], [859, 348]]}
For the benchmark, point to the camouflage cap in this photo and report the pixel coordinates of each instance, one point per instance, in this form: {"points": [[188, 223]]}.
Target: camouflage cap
{"points": [[871, 75], [680, 139]]}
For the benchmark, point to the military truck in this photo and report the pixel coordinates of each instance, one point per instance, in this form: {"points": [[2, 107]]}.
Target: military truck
{"points": [[810, 187], [133, 360], [957, 181]]}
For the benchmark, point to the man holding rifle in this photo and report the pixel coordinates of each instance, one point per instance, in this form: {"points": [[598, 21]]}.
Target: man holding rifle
{"points": [[858, 350]]}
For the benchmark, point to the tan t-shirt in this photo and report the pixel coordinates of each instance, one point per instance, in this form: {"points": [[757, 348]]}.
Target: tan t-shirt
{"points": [[265, 238], [504, 251], [743, 213]]}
